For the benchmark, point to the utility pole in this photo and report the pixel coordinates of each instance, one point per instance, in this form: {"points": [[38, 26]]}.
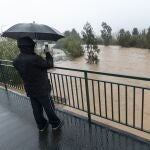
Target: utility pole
{"points": [[2, 28], [1, 31]]}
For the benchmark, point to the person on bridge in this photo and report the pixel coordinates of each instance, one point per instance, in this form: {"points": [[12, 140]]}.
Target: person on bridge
{"points": [[33, 71]]}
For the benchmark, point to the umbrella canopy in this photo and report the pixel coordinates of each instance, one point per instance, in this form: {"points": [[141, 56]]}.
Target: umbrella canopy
{"points": [[34, 31]]}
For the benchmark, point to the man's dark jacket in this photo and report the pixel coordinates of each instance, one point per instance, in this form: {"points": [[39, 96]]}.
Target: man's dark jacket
{"points": [[33, 71]]}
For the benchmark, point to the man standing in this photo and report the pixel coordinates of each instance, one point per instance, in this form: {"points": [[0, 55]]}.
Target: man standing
{"points": [[33, 71]]}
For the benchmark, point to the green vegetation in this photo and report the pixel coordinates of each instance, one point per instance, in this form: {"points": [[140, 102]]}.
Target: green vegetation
{"points": [[147, 38], [8, 49], [71, 44], [134, 39], [106, 33], [9, 75], [124, 38], [91, 43], [89, 37]]}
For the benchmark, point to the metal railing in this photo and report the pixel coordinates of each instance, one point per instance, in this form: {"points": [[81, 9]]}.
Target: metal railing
{"points": [[119, 98]]}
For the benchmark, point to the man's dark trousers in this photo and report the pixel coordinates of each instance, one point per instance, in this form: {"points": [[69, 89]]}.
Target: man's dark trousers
{"points": [[40, 102]]}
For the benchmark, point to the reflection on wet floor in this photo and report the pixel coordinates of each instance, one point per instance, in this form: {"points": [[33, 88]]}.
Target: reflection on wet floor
{"points": [[18, 131]]}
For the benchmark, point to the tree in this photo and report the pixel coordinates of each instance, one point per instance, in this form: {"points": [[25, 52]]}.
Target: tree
{"points": [[88, 36], [148, 38], [143, 32], [124, 38], [121, 37], [135, 38], [106, 33], [8, 49], [135, 32], [72, 33], [142, 43], [91, 43], [75, 34]]}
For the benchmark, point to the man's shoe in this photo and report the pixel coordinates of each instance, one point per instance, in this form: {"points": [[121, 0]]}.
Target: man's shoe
{"points": [[57, 127], [44, 128]]}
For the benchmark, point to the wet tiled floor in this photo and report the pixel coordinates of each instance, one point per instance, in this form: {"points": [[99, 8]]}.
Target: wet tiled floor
{"points": [[18, 131]]}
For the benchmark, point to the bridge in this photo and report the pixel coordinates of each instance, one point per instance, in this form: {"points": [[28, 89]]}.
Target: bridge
{"points": [[102, 111]]}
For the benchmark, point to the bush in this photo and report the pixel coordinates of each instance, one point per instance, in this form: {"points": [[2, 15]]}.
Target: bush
{"points": [[9, 75], [71, 44], [8, 49], [73, 47]]}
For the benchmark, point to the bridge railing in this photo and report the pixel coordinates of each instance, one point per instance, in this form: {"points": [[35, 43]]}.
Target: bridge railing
{"points": [[119, 98]]}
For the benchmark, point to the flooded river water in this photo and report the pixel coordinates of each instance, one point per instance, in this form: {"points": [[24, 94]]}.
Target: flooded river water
{"points": [[114, 59], [117, 60]]}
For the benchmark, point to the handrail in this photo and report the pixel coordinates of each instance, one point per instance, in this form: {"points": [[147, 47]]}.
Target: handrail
{"points": [[6, 65], [6, 60], [107, 74]]}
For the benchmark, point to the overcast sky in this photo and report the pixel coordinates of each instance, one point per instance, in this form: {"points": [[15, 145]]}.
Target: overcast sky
{"points": [[67, 14]]}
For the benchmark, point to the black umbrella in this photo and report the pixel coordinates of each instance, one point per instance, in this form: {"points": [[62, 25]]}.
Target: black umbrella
{"points": [[34, 31]]}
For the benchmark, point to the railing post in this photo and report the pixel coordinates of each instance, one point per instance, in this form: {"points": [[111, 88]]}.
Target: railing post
{"points": [[3, 76], [87, 96]]}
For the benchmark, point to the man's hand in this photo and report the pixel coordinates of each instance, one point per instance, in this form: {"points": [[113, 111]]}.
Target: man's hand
{"points": [[46, 50]]}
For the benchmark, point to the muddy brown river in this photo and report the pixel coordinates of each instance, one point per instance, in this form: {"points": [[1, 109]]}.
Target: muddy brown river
{"points": [[114, 59]]}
